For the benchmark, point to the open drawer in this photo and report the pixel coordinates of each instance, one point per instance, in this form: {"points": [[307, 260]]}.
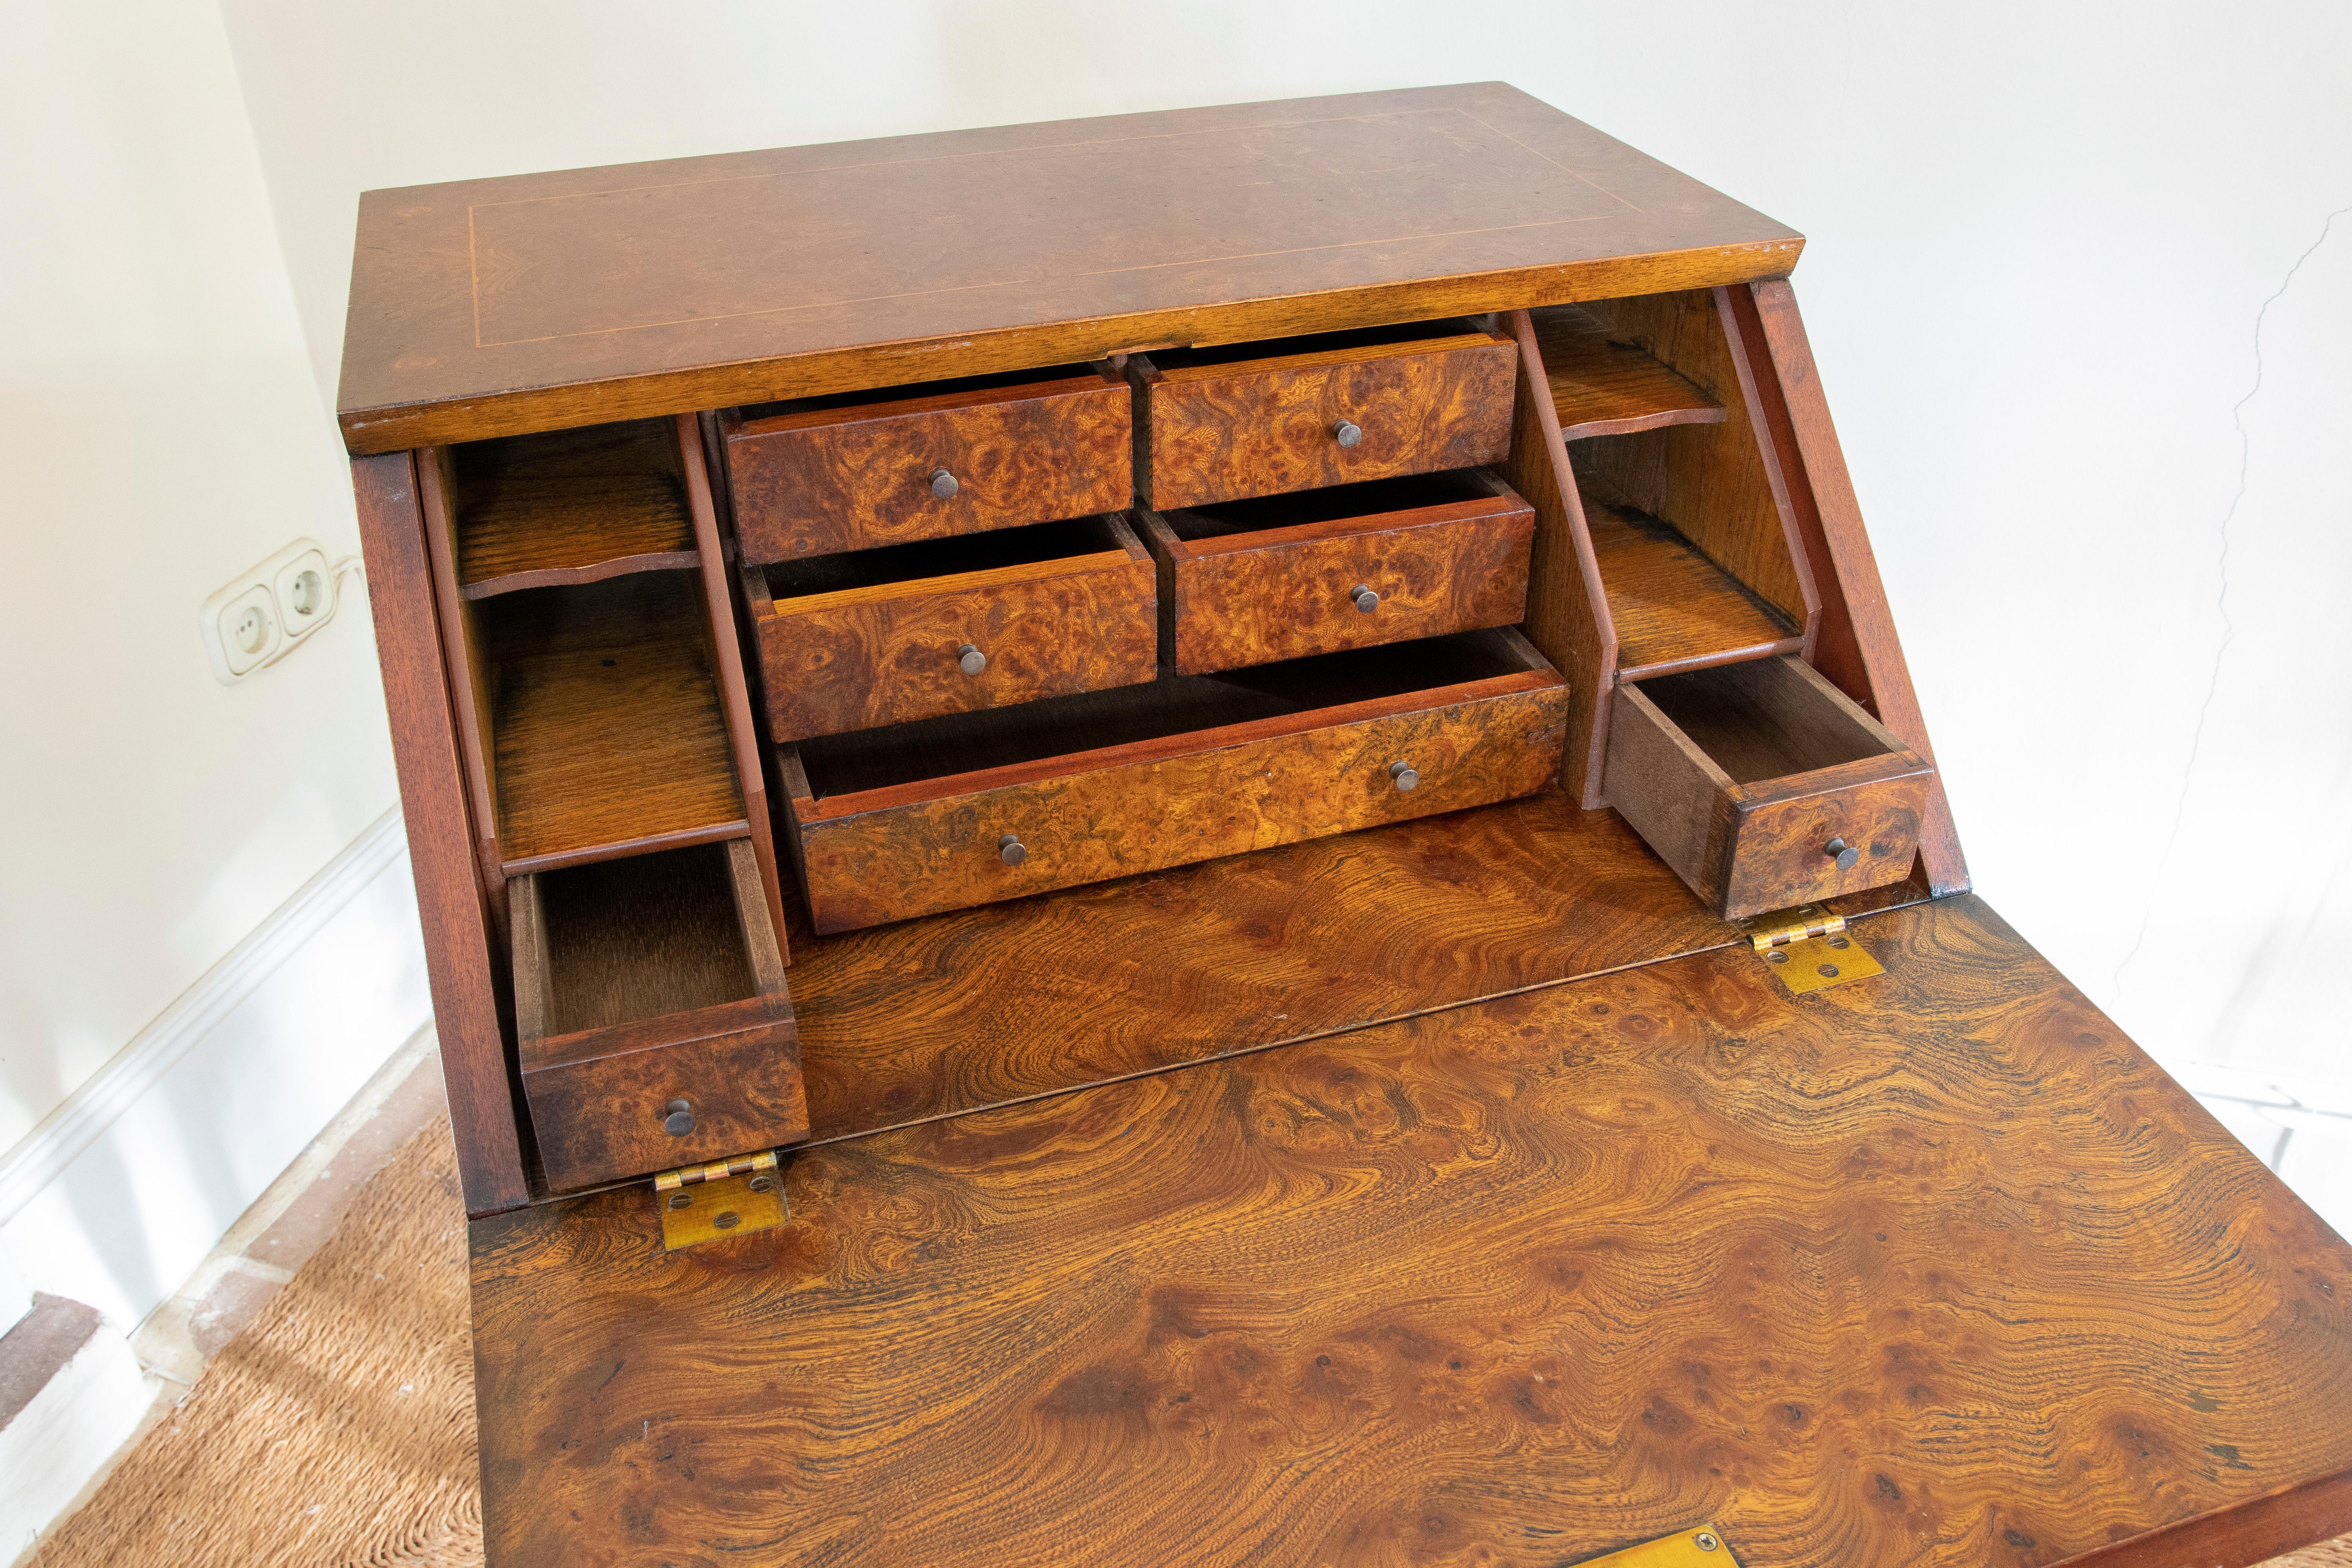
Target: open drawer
{"points": [[947, 625], [1763, 785], [820, 475], [1253, 419], [958, 812], [652, 1019], [1284, 576]]}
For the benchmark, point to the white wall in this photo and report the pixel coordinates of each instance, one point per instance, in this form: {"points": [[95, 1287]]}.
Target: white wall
{"points": [[161, 432], [2041, 238]]}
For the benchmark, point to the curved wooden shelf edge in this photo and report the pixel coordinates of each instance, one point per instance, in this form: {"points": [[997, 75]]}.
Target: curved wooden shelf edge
{"points": [[573, 576]]}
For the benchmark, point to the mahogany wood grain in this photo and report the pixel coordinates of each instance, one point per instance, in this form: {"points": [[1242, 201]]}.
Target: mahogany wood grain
{"points": [[828, 479], [1229, 429], [644, 981], [496, 307], [441, 849], [575, 506], [466, 661], [880, 853], [1740, 776], [1857, 648], [1568, 607], [888, 653], [611, 728], [1239, 594], [1936, 1269], [727, 658], [1673, 607], [1601, 387], [1713, 482]]}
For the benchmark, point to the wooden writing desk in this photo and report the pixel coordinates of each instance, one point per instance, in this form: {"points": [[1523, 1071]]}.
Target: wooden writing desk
{"points": [[1207, 720]]}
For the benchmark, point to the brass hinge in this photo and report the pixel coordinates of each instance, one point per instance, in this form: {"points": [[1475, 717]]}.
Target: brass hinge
{"points": [[1808, 948], [1701, 1546], [725, 1197]]}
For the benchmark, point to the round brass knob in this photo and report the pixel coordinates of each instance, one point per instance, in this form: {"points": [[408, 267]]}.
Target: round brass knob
{"points": [[1366, 600], [1845, 854], [1012, 850], [943, 484], [1346, 434], [677, 1117], [1405, 776], [969, 660]]}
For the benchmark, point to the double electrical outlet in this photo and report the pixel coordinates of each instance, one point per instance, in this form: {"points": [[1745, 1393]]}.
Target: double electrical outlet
{"points": [[268, 611]]}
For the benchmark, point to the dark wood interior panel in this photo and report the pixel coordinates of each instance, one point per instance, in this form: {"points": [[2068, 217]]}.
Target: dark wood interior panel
{"points": [[572, 506], [1673, 609], [1514, 1284], [1601, 386], [640, 937], [609, 723], [1711, 481]]}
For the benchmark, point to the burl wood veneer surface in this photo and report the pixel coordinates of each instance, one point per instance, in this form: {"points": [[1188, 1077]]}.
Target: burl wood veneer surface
{"points": [[951, 1012], [483, 306], [1934, 1268]]}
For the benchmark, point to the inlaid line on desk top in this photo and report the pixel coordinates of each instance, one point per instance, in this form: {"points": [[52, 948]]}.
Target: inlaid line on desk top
{"points": [[1430, 147]]}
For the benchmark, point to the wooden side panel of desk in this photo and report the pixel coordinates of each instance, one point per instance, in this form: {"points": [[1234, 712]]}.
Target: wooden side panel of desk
{"points": [[441, 852], [1935, 1268]]}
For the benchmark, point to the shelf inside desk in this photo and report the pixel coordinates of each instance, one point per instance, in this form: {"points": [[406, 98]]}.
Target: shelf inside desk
{"points": [[569, 506], [1673, 609], [610, 734], [1601, 387]]}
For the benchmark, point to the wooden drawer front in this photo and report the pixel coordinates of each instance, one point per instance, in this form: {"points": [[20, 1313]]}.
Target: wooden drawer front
{"points": [[1225, 431], [821, 480], [893, 853], [1754, 781], [653, 1023], [1230, 599], [885, 654]]}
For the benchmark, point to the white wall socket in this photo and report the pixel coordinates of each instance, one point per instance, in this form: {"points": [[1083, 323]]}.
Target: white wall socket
{"points": [[268, 611]]}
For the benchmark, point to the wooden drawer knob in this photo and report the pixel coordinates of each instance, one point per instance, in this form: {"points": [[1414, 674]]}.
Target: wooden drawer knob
{"points": [[1365, 599], [943, 484], [677, 1117], [1407, 778], [1346, 433], [1845, 854], [1012, 850], [969, 660]]}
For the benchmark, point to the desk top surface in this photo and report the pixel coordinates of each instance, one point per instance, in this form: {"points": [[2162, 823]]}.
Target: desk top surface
{"points": [[489, 307], [1937, 1267]]}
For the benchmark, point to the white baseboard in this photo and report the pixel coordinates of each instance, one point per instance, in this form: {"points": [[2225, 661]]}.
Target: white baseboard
{"points": [[119, 1194]]}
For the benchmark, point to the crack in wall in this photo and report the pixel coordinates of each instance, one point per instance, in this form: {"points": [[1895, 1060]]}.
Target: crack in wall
{"points": [[2220, 603]]}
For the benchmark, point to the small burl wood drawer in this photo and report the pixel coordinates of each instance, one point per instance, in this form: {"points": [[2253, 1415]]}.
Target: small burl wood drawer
{"points": [[1250, 581], [823, 475], [966, 811], [1763, 785], [950, 626], [1256, 419], [653, 1023]]}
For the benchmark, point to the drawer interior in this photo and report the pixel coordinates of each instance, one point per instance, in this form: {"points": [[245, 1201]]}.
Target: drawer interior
{"points": [[1332, 503], [1315, 345], [872, 399], [1177, 705], [956, 555], [637, 937], [1765, 720], [607, 720]]}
